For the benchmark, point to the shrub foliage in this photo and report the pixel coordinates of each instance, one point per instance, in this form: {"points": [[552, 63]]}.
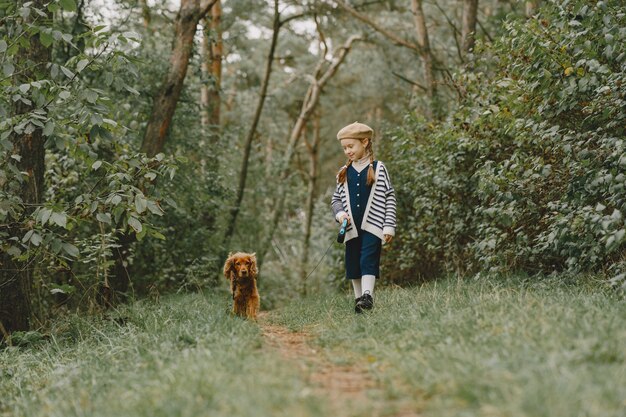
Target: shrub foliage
{"points": [[528, 174]]}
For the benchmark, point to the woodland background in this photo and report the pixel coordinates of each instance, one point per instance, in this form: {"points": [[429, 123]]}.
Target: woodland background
{"points": [[141, 141]]}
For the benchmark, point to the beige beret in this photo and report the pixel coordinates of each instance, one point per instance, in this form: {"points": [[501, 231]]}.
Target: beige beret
{"points": [[355, 130]]}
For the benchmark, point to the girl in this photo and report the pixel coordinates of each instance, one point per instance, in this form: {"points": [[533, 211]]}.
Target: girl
{"points": [[365, 197]]}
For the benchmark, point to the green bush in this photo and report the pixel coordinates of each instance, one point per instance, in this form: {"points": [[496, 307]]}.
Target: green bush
{"points": [[528, 174]]}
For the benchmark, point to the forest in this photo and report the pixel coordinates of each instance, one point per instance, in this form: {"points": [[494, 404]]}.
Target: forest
{"points": [[142, 141]]}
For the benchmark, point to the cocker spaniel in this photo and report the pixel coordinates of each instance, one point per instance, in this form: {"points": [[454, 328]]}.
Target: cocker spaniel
{"points": [[240, 268]]}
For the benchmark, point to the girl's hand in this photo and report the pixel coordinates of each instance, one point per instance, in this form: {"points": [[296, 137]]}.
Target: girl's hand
{"points": [[345, 216], [388, 238]]}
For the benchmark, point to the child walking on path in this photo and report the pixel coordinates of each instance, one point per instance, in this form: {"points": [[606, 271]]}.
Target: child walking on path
{"points": [[365, 196]]}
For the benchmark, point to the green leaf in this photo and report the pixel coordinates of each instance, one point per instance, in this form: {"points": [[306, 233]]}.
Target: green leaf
{"points": [[8, 69], [91, 96], [36, 239], [49, 128], [140, 203], [154, 208], [27, 236], [71, 250], [104, 217], [59, 219], [135, 224], [45, 216], [96, 165], [108, 78], [46, 39], [132, 90], [62, 289], [65, 94], [3, 45], [67, 72], [14, 251], [81, 65], [158, 235], [68, 5]]}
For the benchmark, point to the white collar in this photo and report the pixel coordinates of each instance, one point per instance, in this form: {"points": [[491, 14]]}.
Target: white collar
{"points": [[362, 163]]}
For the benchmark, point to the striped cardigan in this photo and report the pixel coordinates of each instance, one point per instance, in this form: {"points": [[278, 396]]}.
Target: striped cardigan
{"points": [[380, 212]]}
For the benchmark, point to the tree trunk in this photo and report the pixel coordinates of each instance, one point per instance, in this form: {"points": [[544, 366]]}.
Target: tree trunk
{"points": [[205, 56], [234, 212], [310, 102], [212, 47], [468, 28], [217, 51], [190, 13], [310, 200], [16, 276], [425, 53]]}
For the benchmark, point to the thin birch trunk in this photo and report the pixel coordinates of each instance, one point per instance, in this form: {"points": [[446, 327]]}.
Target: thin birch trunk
{"points": [[308, 106], [425, 53], [312, 148], [468, 27], [234, 212]]}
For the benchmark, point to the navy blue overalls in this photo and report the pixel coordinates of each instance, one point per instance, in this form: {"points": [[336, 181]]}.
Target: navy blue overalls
{"points": [[363, 251]]}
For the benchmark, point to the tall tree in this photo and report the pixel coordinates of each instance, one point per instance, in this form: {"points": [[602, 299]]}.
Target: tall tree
{"points": [[28, 146], [243, 174], [468, 27], [311, 98], [425, 53], [312, 148], [422, 48], [187, 19], [212, 51]]}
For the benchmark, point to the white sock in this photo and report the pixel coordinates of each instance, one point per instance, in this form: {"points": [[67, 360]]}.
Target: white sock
{"points": [[356, 286], [368, 282]]}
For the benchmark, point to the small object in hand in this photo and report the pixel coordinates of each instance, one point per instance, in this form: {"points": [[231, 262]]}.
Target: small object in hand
{"points": [[342, 232]]}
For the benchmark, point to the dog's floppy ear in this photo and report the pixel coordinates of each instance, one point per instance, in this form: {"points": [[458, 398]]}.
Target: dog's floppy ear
{"points": [[253, 267], [228, 265]]}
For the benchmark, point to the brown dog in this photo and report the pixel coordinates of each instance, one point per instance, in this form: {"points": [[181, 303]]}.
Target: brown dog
{"points": [[240, 268]]}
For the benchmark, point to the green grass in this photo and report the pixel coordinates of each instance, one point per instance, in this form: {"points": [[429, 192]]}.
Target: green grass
{"points": [[448, 348], [483, 348], [186, 356]]}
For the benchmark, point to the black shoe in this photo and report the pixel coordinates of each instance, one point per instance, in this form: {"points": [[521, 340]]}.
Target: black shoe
{"points": [[357, 308], [366, 302]]}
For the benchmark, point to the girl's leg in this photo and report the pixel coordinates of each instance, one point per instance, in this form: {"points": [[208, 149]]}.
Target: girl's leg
{"points": [[356, 286], [370, 268], [367, 284]]}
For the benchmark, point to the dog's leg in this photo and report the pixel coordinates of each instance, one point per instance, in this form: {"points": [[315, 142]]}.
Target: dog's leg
{"points": [[253, 308], [240, 308]]}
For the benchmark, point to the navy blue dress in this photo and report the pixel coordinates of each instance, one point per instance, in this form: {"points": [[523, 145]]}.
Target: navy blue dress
{"points": [[362, 252]]}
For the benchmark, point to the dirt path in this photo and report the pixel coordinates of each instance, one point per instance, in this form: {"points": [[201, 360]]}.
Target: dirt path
{"points": [[345, 387]]}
